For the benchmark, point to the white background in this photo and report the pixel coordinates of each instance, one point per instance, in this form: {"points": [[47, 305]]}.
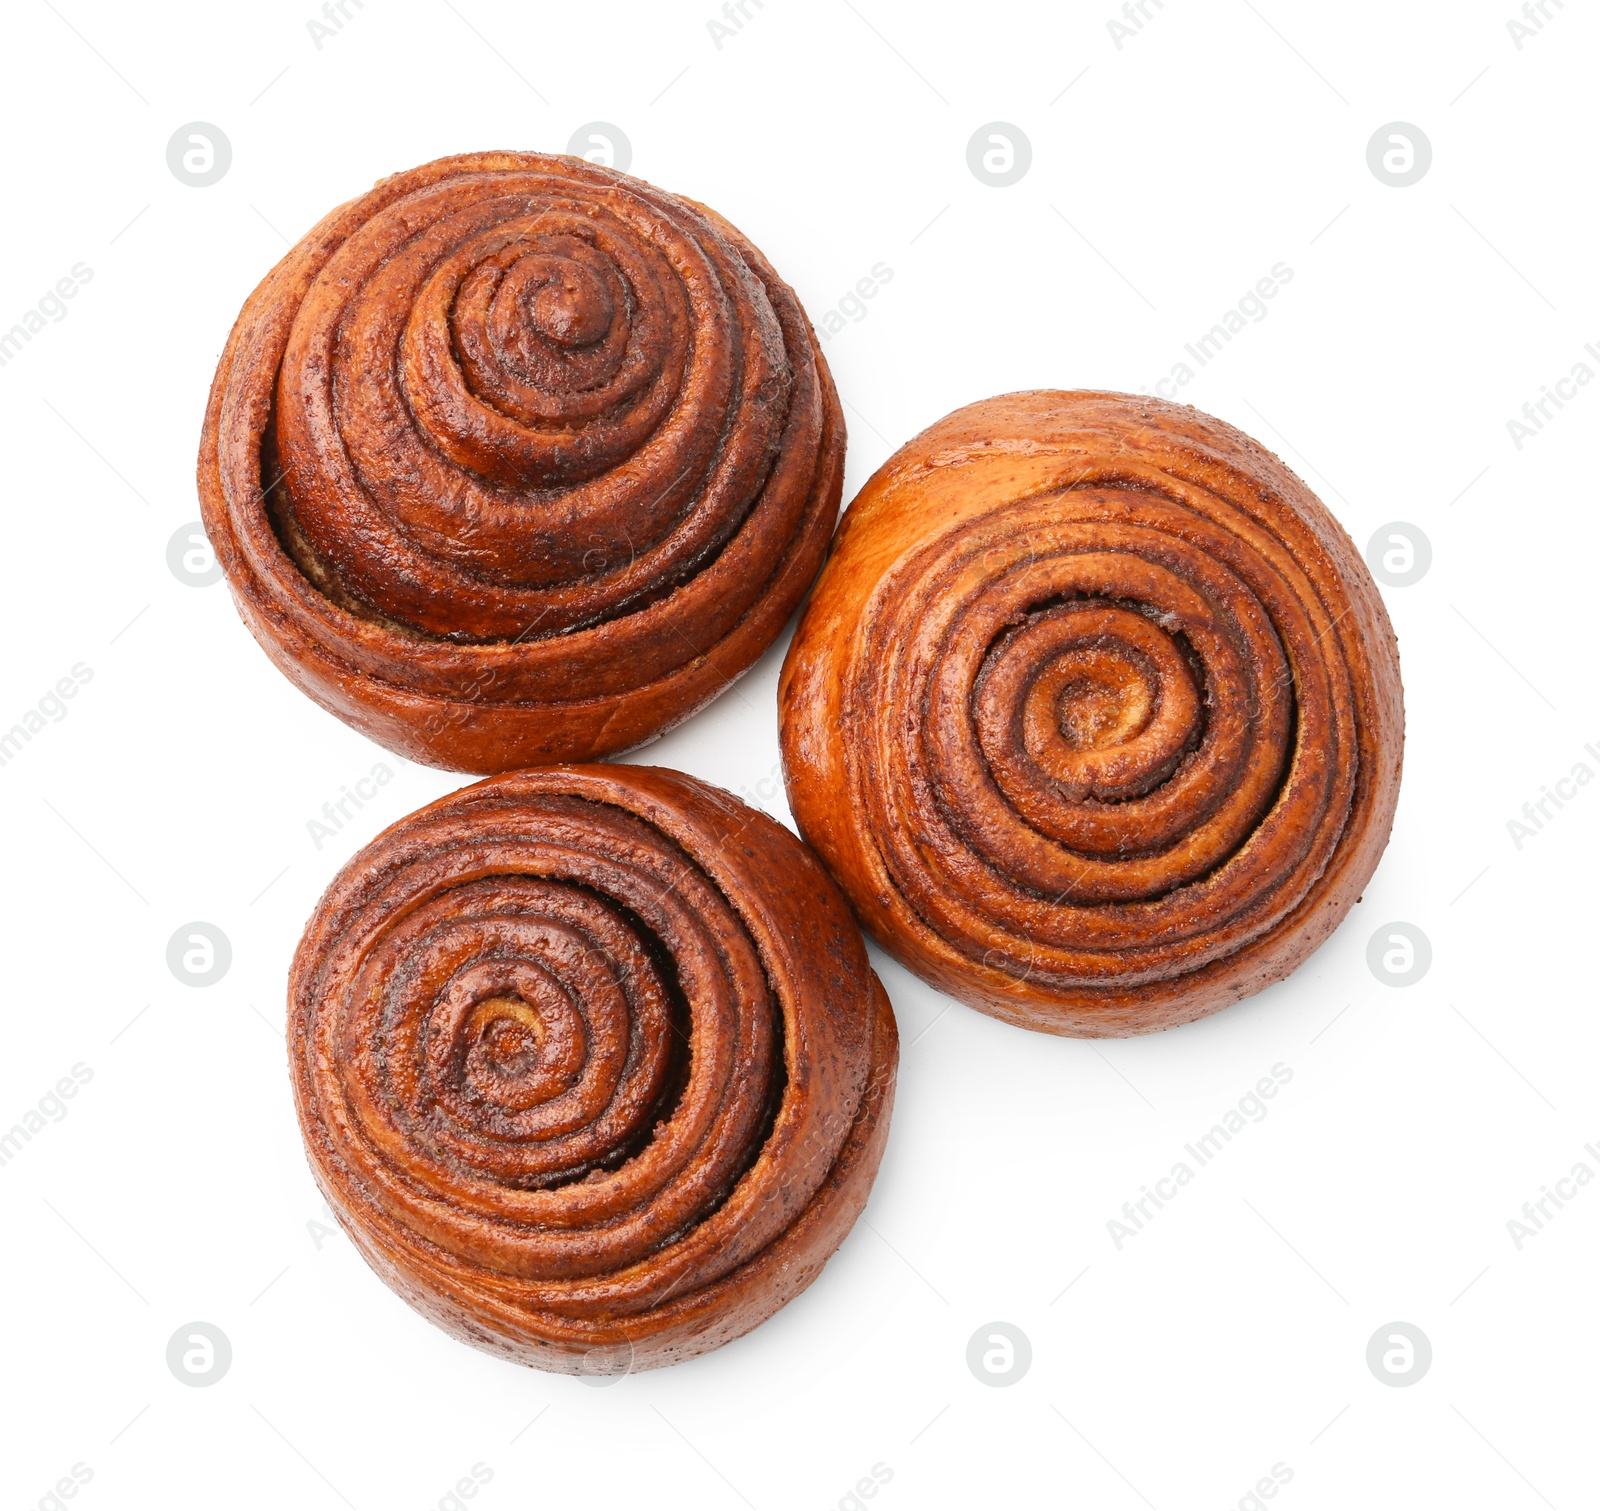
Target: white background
{"points": [[1167, 176]]}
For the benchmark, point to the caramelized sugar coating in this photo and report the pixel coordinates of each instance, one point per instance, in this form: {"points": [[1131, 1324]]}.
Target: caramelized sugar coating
{"points": [[515, 459], [590, 1063], [1095, 713]]}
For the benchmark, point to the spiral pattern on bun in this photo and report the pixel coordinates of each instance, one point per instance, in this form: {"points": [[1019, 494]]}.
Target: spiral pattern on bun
{"points": [[1095, 713], [517, 459], [590, 1063]]}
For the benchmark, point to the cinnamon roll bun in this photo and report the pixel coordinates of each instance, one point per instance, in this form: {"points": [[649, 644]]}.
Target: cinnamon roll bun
{"points": [[516, 459], [1095, 713], [590, 1064]]}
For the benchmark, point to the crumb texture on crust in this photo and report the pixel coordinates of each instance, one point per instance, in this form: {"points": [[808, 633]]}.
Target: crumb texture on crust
{"points": [[516, 459], [1095, 712], [591, 1065]]}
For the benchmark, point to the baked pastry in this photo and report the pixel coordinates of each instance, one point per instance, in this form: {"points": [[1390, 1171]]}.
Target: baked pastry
{"points": [[515, 459], [1095, 713], [590, 1064]]}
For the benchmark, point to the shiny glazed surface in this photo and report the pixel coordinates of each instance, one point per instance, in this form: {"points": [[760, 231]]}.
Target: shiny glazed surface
{"points": [[590, 1063], [1095, 713], [516, 459]]}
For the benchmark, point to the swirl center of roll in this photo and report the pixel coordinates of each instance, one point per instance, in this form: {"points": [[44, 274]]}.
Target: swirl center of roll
{"points": [[571, 306], [511, 1032], [1107, 702], [506, 411], [1090, 696]]}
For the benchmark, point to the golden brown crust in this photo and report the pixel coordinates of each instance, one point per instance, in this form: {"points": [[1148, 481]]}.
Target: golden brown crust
{"points": [[590, 1063], [516, 459], [1095, 713]]}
